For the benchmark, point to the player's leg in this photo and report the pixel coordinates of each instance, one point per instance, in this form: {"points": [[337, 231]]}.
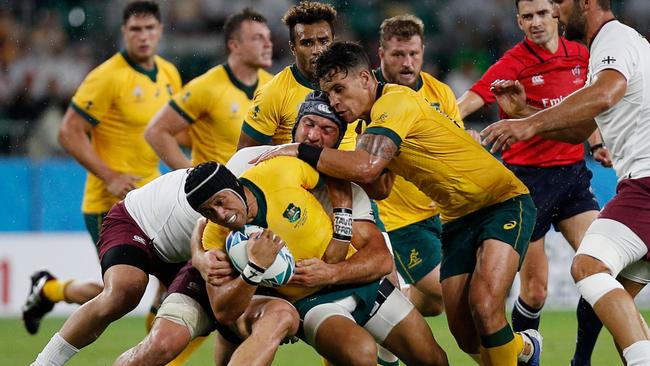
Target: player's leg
{"points": [[124, 287], [223, 349], [589, 326], [417, 255], [183, 317], [534, 283], [606, 249], [265, 324], [399, 327], [46, 290]]}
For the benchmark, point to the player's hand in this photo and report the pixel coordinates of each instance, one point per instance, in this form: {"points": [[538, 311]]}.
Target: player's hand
{"points": [[313, 272], [215, 267], [475, 135], [505, 133], [119, 184], [602, 156], [511, 96], [263, 247], [281, 150]]}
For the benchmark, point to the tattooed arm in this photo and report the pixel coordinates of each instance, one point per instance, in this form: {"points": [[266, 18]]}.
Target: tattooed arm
{"points": [[364, 165]]}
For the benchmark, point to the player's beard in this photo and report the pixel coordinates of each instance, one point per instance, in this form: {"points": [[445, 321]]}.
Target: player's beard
{"points": [[575, 29]]}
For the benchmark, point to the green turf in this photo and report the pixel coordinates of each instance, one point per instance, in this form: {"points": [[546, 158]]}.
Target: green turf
{"points": [[19, 348]]}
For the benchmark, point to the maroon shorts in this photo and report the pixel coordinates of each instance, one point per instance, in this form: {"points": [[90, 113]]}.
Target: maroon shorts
{"points": [[189, 282], [631, 207], [121, 241]]}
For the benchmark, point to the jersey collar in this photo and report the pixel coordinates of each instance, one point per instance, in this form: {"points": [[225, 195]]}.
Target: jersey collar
{"points": [[248, 90], [151, 74], [380, 77], [260, 218], [302, 79], [593, 38]]}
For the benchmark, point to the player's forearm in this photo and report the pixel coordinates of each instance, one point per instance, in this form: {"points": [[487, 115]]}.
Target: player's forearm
{"points": [[572, 135], [527, 111], [575, 111], [246, 141], [469, 103], [362, 267], [230, 300], [77, 144], [166, 147], [355, 166]]}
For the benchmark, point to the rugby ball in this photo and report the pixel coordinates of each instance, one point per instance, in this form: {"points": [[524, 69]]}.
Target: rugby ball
{"points": [[278, 274]]}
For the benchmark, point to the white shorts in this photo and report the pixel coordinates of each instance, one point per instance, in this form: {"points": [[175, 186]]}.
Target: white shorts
{"points": [[614, 244]]}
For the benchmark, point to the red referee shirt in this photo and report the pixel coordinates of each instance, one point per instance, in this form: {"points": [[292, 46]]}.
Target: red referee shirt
{"points": [[548, 78]]}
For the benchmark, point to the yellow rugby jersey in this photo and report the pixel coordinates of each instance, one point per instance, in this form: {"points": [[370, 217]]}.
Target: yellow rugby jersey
{"points": [[215, 104], [275, 109], [285, 205], [406, 204], [438, 156], [119, 98]]}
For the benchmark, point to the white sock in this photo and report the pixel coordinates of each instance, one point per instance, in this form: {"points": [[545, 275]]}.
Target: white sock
{"points": [[637, 354], [385, 355], [56, 352]]}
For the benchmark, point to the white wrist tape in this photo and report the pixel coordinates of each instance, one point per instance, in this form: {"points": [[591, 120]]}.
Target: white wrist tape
{"points": [[342, 223], [253, 274]]}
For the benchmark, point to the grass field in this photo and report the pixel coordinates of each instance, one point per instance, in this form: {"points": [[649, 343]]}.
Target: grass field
{"points": [[19, 348]]}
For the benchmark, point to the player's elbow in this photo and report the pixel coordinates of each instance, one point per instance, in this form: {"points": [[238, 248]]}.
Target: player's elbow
{"points": [[152, 133], [385, 264]]}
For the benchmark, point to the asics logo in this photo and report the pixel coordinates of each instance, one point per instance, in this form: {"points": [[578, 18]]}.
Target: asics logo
{"points": [[510, 225]]}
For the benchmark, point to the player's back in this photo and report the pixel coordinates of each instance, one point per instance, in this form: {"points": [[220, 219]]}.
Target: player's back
{"points": [[161, 210], [438, 156]]}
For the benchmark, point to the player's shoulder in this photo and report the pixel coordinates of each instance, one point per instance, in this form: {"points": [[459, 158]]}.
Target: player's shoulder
{"points": [[113, 64], [164, 64], [264, 76], [394, 93], [519, 54], [434, 83]]}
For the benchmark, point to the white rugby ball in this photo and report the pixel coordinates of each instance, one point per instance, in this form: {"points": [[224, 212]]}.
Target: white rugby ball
{"points": [[278, 274]]}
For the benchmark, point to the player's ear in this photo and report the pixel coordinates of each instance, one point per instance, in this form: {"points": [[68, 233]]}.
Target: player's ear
{"points": [[381, 52], [292, 47], [520, 22], [365, 76]]}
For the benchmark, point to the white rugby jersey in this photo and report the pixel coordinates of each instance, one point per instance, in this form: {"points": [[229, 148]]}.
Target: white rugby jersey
{"points": [[626, 126], [163, 213], [361, 209]]}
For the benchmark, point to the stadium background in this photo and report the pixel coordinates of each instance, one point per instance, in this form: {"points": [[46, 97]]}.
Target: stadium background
{"points": [[48, 46]]}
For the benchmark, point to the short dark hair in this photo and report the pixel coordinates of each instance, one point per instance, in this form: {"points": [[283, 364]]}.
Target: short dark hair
{"points": [[605, 4], [141, 8], [402, 26], [518, 1], [341, 56], [308, 12], [233, 22]]}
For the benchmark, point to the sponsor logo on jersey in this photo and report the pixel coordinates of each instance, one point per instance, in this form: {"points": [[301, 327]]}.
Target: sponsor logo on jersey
{"points": [[292, 213], [383, 117], [256, 111], [576, 71], [234, 108], [139, 239], [186, 96], [137, 92], [414, 258], [549, 102], [537, 80], [510, 225]]}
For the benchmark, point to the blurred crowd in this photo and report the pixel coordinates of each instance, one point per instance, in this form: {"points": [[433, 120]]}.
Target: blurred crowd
{"points": [[47, 47]]}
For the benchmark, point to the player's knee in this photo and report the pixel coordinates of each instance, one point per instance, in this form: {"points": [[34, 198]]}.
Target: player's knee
{"points": [[363, 353], [284, 317], [536, 296], [114, 306], [483, 306], [595, 286], [584, 266], [433, 307], [164, 347]]}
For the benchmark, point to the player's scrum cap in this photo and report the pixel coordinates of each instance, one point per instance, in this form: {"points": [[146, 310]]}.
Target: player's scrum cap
{"points": [[318, 103], [209, 178]]}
